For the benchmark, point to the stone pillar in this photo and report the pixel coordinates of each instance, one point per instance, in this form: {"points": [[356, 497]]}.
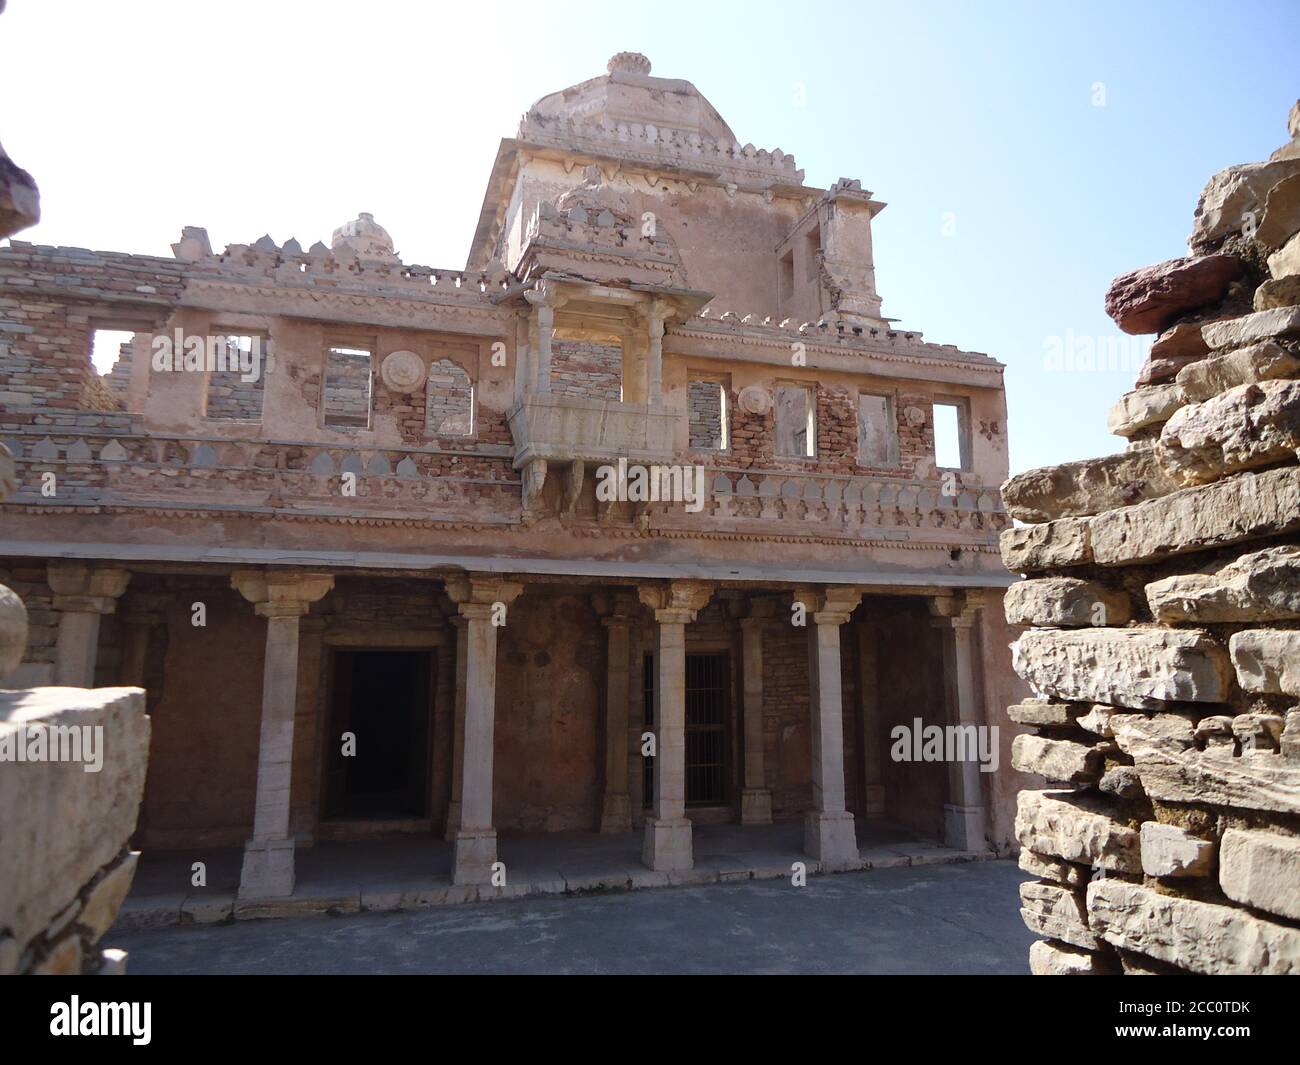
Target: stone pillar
{"points": [[282, 597], [477, 600], [829, 834], [543, 328], [83, 593], [615, 807], [755, 796], [141, 615], [654, 366], [457, 726], [872, 742], [667, 843], [963, 814]]}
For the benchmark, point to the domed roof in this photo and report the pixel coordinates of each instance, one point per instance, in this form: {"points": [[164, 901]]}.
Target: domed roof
{"points": [[627, 93], [367, 238]]}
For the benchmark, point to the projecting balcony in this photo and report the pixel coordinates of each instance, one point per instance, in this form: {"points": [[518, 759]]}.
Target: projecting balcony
{"points": [[562, 428]]}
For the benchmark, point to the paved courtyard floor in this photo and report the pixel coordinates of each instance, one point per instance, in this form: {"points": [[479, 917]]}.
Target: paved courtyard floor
{"points": [[959, 918]]}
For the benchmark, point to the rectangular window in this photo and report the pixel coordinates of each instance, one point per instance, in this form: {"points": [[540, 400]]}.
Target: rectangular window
{"points": [[347, 388], [648, 724], [877, 431], [708, 416], [237, 377], [951, 435], [796, 419], [706, 729]]}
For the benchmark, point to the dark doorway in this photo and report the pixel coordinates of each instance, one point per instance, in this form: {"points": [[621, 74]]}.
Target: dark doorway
{"points": [[383, 699], [706, 729]]}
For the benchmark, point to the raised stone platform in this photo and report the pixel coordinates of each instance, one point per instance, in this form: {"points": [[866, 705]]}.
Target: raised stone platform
{"points": [[412, 872]]}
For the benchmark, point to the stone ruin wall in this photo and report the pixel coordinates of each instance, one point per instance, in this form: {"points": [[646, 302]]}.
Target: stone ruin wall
{"points": [[1163, 599]]}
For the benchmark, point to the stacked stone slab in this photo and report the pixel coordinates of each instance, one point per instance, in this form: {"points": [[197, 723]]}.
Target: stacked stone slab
{"points": [[1162, 599]]}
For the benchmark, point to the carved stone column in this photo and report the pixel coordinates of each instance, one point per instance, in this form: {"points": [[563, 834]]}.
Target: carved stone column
{"points": [[477, 600], [654, 365], [829, 834], [963, 814], [542, 331], [83, 593], [615, 808], [282, 597], [668, 832], [755, 796]]}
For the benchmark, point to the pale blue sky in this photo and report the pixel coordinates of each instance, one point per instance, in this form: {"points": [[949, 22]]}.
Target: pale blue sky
{"points": [[1013, 198]]}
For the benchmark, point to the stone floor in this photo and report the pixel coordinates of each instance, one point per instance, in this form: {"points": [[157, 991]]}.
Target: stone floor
{"points": [[413, 872], [948, 919]]}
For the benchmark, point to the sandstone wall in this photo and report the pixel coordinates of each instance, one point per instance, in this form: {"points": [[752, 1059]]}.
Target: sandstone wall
{"points": [[1164, 604]]}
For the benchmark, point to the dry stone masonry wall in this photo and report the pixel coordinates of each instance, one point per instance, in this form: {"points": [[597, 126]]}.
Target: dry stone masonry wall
{"points": [[1163, 604]]}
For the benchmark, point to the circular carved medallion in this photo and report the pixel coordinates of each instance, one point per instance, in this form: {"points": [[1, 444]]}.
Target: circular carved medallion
{"points": [[915, 416], [402, 371], [754, 400]]}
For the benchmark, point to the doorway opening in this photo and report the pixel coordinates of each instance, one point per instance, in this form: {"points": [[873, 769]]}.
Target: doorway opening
{"points": [[381, 700]]}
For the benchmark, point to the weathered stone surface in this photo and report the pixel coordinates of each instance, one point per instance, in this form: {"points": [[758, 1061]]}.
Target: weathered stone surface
{"points": [[1233, 199], [13, 631], [1064, 601], [1056, 912], [1122, 781], [1289, 743], [60, 824], [1285, 262], [1062, 825], [1046, 867], [106, 897], [1061, 543], [1244, 428], [1265, 361], [1244, 507], [1172, 770], [1261, 869], [1055, 959], [1144, 407], [1277, 292], [1168, 850], [1259, 730], [1077, 489], [1045, 713], [1267, 660], [1146, 300], [1097, 721], [1258, 586], [1252, 328], [63, 959], [1140, 668], [1200, 936], [1057, 760], [1281, 217]]}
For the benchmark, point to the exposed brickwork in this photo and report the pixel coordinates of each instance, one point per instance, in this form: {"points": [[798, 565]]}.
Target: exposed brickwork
{"points": [[586, 370]]}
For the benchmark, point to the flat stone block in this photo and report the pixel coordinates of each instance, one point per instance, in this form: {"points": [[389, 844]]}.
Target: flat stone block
{"points": [[667, 846], [830, 838], [268, 871], [474, 855]]}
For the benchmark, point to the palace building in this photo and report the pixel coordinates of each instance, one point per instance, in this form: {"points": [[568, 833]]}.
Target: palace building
{"points": [[361, 567]]}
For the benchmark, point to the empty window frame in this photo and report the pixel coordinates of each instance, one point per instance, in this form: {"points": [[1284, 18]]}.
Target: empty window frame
{"points": [[448, 400], [348, 386], [796, 422], [877, 431], [236, 376], [951, 434], [708, 419]]}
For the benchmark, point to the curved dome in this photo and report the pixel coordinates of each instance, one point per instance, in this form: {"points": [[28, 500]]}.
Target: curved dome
{"points": [[367, 238], [627, 93]]}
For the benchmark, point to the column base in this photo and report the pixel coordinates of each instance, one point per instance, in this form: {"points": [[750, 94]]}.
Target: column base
{"points": [[453, 822], [616, 814], [875, 801], [268, 869], [963, 827], [830, 838], [474, 856], [756, 806], [667, 846]]}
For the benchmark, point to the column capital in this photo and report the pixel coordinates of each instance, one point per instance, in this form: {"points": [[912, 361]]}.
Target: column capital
{"points": [[675, 602], [618, 608], [956, 611], [762, 610], [831, 605], [84, 588], [470, 590], [281, 593]]}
